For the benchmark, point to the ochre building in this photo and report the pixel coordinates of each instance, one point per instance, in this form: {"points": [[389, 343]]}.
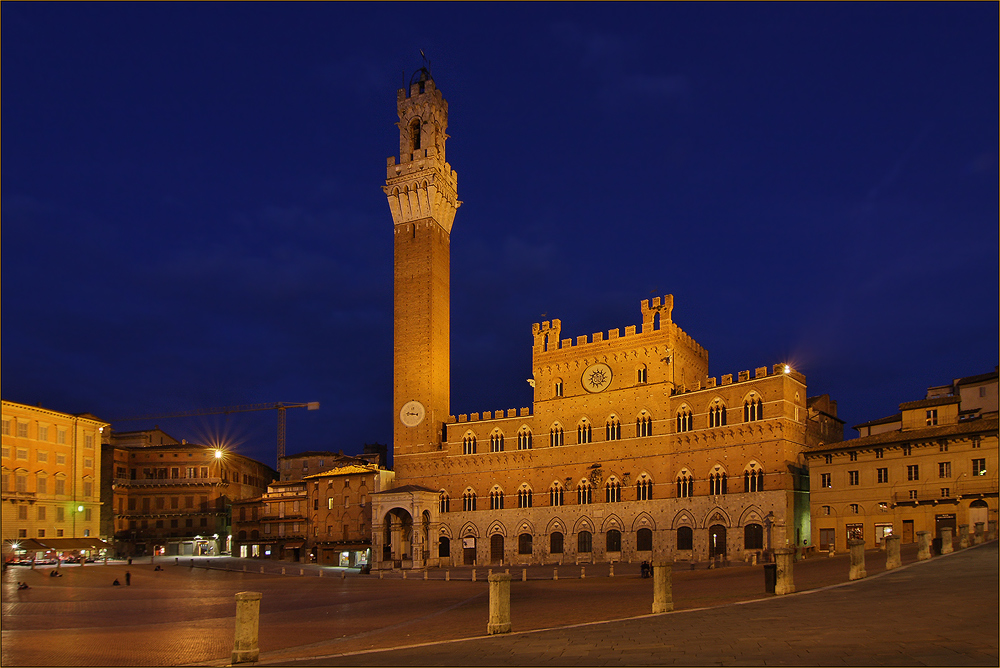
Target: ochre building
{"points": [[51, 479], [930, 466], [630, 449]]}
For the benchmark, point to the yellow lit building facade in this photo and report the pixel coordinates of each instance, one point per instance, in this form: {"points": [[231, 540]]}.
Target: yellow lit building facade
{"points": [[932, 465], [51, 465]]}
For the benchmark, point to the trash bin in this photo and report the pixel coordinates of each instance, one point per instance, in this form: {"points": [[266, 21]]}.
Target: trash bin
{"points": [[770, 577]]}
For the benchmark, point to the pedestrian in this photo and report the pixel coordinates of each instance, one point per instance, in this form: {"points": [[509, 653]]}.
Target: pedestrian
{"points": [[116, 583], [128, 578], [130, 561]]}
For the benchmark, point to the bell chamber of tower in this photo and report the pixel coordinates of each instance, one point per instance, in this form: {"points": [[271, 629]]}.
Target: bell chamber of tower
{"points": [[422, 192]]}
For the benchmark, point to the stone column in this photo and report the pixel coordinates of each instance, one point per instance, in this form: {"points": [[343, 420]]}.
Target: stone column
{"points": [[499, 604], [979, 533], [924, 549], [857, 548], [947, 540], [663, 594], [784, 558], [963, 536], [245, 649], [992, 530], [892, 559]]}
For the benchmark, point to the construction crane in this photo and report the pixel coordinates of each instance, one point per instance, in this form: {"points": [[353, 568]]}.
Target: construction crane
{"points": [[281, 406]]}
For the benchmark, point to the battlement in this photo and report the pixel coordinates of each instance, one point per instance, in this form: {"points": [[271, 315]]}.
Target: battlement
{"points": [[742, 377], [490, 416], [656, 316]]}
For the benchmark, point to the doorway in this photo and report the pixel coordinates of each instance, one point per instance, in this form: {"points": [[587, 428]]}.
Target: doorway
{"points": [[496, 549], [716, 541]]}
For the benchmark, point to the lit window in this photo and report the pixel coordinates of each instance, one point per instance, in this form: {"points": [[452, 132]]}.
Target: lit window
{"points": [[978, 467], [932, 417]]}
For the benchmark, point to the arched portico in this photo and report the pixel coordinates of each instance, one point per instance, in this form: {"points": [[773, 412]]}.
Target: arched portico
{"points": [[406, 522]]}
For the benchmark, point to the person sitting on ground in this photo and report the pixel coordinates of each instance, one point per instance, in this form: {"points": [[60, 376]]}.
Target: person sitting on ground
{"points": [[55, 574], [22, 585], [116, 583], [157, 568]]}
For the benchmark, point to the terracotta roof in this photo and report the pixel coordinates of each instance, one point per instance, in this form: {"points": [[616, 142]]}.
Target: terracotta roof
{"points": [[911, 435], [349, 469], [924, 403], [898, 417], [968, 380]]}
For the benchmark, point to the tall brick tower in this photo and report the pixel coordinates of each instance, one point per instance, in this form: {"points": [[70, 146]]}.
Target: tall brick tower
{"points": [[423, 197]]}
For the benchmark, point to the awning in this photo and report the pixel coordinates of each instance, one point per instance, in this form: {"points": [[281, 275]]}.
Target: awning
{"points": [[29, 544], [294, 546], [72, 543]]}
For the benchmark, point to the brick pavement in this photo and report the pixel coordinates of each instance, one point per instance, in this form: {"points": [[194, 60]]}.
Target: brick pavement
{"points": [[185, 616]]}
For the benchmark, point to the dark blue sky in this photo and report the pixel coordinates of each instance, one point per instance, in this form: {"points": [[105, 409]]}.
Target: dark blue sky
{"points": [[192, 213]]}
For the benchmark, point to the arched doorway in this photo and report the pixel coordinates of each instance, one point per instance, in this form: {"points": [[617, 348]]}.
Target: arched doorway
{"points": [[978, 512], [716, 541], [496, 548], [397, 544]]}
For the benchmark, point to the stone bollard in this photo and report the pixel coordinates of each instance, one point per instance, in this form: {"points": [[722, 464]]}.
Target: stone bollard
{"points": [[753, 559], [282, 570], [473, 574], [784, 581], [963, 536], [321, 572], [979, 533], [302, 571], [404, 575], [583, 572], [245, 649], [555, 573], [924, 549], [425, 573], [857, 549], [663, 594], [261, 569], [499, 604], [611, 571], [524, 575], [992, 530], [447, 576], [892, 559], [380, 574], [343, 574], [244, 568], [947, 541], [832, 552]]}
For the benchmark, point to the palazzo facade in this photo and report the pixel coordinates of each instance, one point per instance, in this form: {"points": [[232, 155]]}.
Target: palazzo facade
{"points": [[629, 451]]}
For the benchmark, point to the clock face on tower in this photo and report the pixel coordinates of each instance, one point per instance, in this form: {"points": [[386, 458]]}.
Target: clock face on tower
{"points": [[412, 413], [597, 377]]}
